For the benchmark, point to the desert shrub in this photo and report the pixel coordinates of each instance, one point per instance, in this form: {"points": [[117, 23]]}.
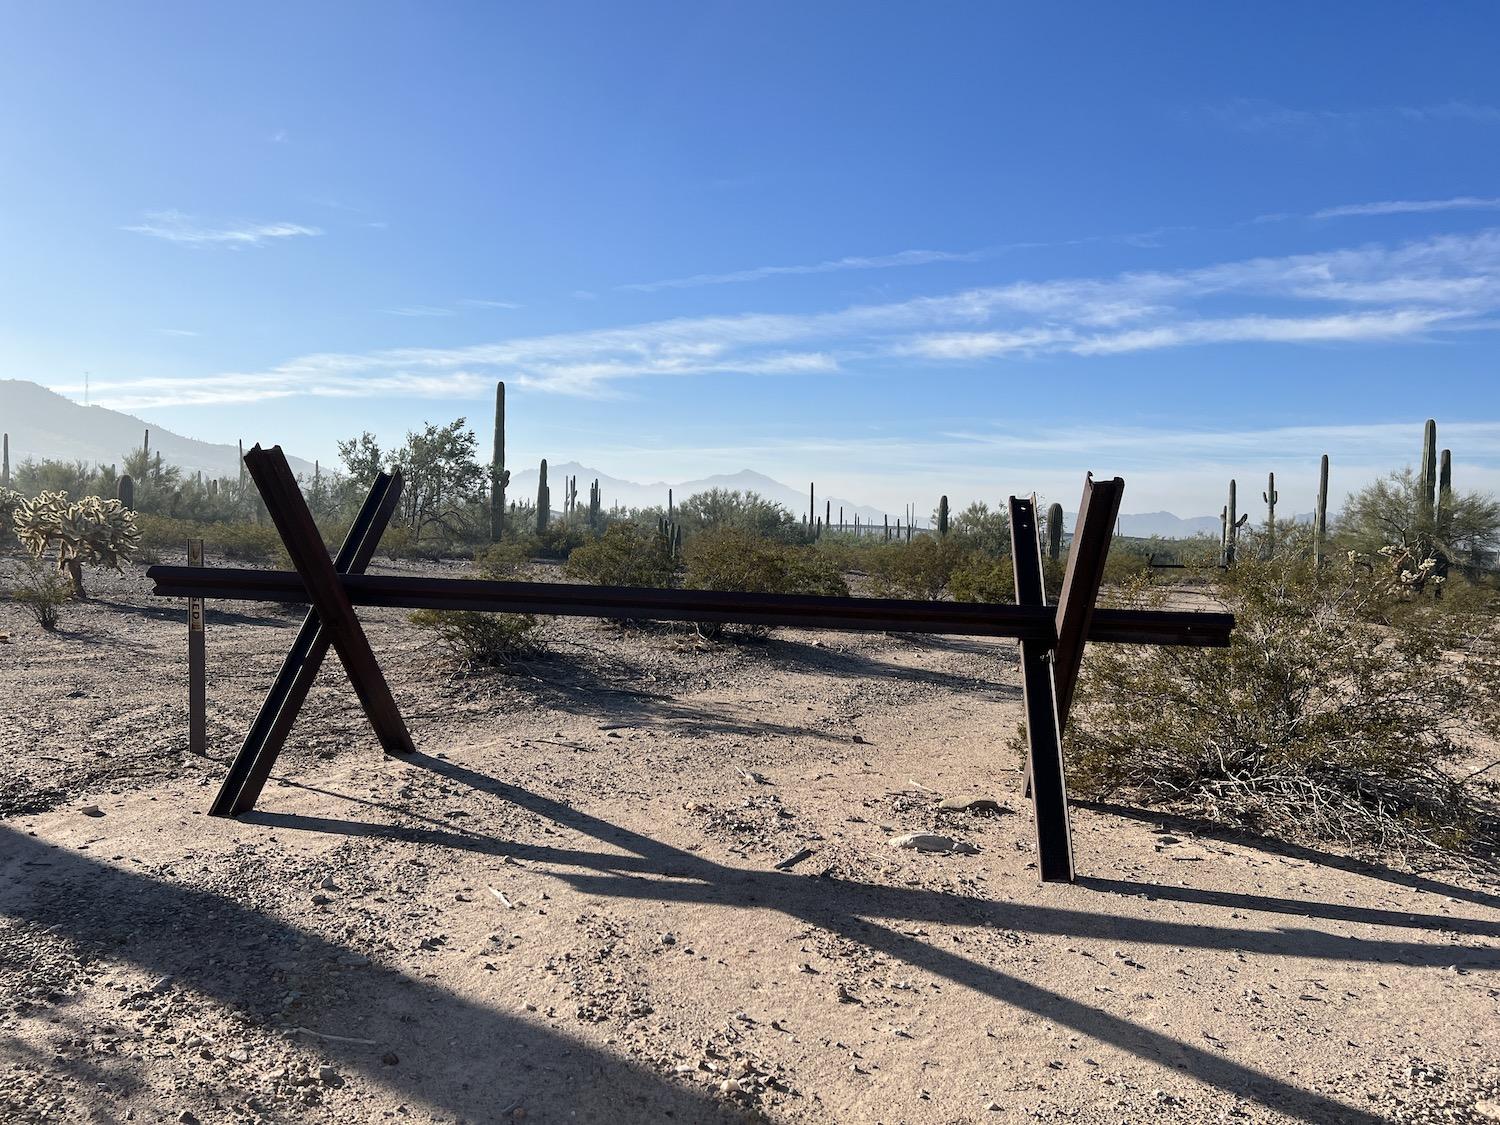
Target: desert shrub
{"points": [[627, 554], [1314, 721], [503, 560], [560, 538], [981, 578], [745, 511], [480, 640], [42, 591], [983, 530], [730, 558], [9, 502], [919, 569], [89, 531], [242, 541]]}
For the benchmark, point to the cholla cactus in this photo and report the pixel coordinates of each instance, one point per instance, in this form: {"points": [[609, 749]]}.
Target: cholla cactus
{"points": [[93, 531], [1409, 572]]}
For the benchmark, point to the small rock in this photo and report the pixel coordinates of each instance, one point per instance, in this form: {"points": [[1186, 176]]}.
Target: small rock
{"points": [[321, 900], [993, 1107], [188, 1117], [971, 805], [390, 1058], [931, 842], [95, 810], [860, 739], [328, 884], [669, 939], [327, 1075]]}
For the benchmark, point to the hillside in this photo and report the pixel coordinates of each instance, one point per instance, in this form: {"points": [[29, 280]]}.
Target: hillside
{"points": [[44, 424]]}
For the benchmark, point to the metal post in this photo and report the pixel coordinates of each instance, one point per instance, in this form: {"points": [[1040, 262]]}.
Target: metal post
{"points": [[1043, 738], [197, 672]]}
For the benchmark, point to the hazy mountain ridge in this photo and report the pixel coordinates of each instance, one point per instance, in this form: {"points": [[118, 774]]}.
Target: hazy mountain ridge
{"points": [[44, 424]]}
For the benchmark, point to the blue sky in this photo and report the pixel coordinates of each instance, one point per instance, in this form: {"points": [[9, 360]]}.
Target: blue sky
{"points": [[900, 249]]}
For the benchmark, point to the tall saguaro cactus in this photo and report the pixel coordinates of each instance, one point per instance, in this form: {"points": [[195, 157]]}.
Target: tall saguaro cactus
{"points": [[1054, 532], [1232, 524], [543, 500], [1270, 496], [125, 492], [942, 515], [499, 474], [1320, 516], [1428, 494], [5, 463]]}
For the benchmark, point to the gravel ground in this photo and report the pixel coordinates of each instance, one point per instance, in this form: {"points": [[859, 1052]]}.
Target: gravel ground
{"points": [[567, 905]]}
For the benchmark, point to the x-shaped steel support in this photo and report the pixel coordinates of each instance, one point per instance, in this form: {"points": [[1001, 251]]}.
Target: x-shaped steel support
{"points": [[330, 621], [1049, 669]]}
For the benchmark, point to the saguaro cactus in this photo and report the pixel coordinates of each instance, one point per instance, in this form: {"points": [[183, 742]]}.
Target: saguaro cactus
{"points": [[1270, 496], [125, 491], [594, 498], [1320, 515], [942, 515], [499, 474], [1428, 494], [1054, 532], [5, 463], [812, 504], [1232, 526], [543, 500]]}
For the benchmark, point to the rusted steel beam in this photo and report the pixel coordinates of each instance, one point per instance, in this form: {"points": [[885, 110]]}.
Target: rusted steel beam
{"points": [[1081, 581], [288, 510], [268, 733], [1172, 627], [1049, 793]]}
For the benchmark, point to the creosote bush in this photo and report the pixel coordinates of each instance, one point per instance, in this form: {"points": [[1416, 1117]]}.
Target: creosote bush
{"points": [[627, 554], [919, 569], [42, 591], [1316, 720], [730, 558], [480, 640]]}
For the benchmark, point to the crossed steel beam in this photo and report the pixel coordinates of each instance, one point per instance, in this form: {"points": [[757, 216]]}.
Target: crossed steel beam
{"points": [[1052, 639]]}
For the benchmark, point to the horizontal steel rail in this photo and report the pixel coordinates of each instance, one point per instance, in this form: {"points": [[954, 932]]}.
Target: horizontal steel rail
{"points": [[1121, 626]]}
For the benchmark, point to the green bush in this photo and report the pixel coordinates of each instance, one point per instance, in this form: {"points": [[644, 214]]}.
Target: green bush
{"points": [[561, 538], [627, 554], [503, 560], [729, 558], [480, 640], [1314, 721], [919, 569], [42, 590], [242, 542], [980, 578]]}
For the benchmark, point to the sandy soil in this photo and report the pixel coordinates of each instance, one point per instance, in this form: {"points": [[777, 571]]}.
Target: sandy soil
{"points": [[567, 907]]}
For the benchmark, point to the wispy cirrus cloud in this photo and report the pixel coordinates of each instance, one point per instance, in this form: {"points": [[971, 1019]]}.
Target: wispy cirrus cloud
{"points": [[1258, 115], [896, 260], [1410, 207], [1414, 291], [419, 311], [832, 265], [174, 226]]}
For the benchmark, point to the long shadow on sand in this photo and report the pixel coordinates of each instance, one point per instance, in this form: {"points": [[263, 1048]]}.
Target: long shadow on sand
{"points": [[1208, 829], [647, 868], [177, 931]]}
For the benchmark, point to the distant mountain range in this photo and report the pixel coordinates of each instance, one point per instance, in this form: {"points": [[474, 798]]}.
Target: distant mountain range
{"points": [[43, 424], [631, 494]]}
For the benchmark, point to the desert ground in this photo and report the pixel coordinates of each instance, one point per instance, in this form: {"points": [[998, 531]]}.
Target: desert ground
{"points": [[567, 906]]}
